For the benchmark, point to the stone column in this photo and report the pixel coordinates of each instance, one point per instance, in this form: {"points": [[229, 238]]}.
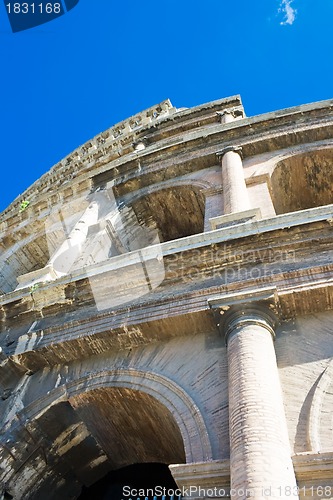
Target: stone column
{"points": [[260, 455], [236, 204], [236, 198]]}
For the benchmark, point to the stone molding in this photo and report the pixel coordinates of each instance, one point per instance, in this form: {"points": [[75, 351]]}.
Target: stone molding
{"points": [[202, 475], [310, 467], [284, 221]]}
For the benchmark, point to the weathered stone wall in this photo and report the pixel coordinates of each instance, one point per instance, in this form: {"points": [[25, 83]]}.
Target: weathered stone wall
{"points": [[117, 355]]}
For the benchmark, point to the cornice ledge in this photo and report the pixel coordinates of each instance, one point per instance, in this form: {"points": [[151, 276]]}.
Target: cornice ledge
{"points": [[311, 466]]}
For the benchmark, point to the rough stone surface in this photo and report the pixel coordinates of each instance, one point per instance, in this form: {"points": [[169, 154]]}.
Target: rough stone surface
{"points": [[111, 352]]}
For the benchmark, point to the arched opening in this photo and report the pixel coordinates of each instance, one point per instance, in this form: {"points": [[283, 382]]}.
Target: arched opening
{"points": [[303, 181], [130, 425], [102, 422], [138, 435], [99, 440], [152, 479], [175, 212]]}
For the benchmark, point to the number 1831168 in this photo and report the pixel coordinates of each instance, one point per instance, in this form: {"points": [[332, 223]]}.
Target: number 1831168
{"points": [[33, 8]]}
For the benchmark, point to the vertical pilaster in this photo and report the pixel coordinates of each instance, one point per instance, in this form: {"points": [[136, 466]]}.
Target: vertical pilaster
{"points": [[213, 207]]}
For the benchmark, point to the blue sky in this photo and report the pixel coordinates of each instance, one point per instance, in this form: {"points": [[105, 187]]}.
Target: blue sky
{"points": [[105, 60]]}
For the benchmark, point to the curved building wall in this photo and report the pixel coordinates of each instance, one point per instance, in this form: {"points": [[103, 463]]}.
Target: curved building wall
{"points": [[167, 297]]}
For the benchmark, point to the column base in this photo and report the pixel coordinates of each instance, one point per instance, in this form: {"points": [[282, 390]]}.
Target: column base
{"points": [[235, 218]]}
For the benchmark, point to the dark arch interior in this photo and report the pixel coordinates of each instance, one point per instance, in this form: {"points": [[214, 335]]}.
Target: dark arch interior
{"points": [[175, 212], [147, 476], [303, 181]]}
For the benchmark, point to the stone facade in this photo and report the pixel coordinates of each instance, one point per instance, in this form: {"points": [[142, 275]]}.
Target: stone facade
{"points": [[167, 296]]}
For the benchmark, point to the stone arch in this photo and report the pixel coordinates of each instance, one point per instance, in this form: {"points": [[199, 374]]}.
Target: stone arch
{"points": [[35, 418], [184, 410], [181, 406], [302, 179]]}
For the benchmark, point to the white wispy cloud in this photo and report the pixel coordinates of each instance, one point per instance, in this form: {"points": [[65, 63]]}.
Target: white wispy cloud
{"points": [[288, 11]]}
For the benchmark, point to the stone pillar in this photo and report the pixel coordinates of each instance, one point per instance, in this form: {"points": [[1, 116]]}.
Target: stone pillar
{"points": [[260, 455], [236, 204], [236, 198]]}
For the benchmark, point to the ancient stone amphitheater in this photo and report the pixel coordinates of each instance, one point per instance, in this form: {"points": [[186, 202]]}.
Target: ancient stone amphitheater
{"points": [[166, 311]]}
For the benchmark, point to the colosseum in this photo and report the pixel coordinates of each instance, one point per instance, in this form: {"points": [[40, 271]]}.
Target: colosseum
{"points": [[166, 311]]}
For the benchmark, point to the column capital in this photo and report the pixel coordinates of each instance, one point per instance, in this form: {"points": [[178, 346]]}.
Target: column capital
{"points": [[260, 307], [236, 318], [227, 149]]}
